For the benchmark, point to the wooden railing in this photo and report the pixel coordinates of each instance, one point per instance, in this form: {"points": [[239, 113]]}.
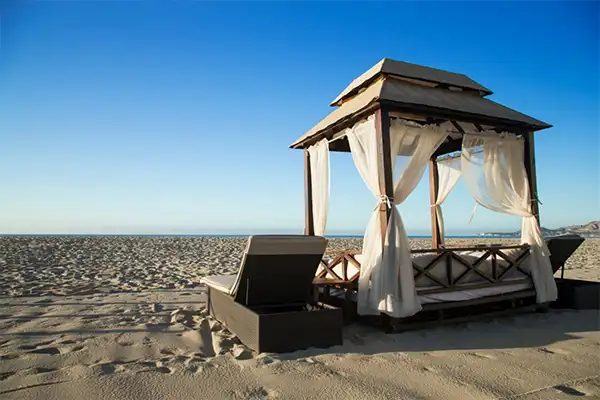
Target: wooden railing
{"points": [[439, 272]]}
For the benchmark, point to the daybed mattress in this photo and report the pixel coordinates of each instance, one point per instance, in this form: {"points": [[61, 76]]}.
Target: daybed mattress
{"points": [[458, 295]]}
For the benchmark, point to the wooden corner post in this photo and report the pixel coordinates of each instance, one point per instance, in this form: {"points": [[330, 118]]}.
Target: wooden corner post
{"points": [[309, 224], [434, 187], [529, 161], [386, 177]]}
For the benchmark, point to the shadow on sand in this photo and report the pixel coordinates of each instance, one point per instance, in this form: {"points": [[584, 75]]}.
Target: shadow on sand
{"points": [[505, 332]]}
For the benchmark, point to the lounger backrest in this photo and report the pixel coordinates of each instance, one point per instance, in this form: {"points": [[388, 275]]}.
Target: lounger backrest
{"points": [[278, 269], [561, 248]]}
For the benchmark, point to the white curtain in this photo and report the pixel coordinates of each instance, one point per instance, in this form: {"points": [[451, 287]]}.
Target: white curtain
{"points": [[448, 175], [386, 283], [319, 172], [494, 171]]}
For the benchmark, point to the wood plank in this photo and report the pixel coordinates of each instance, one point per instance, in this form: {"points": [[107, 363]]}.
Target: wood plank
{"points": [[458, 127], [324, 281], [469, 286], [531, 173], [309, 224], [424, 271], [386, 182], [482, 300], [449, 274], [470, 248], [472, 268], [436, 238]]}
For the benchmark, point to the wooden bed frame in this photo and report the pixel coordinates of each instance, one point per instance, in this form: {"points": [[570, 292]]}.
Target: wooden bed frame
{"points": [[448, 283], [331, 277]]}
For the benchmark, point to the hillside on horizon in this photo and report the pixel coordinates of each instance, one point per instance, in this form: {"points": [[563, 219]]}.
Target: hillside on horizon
{"points": [[592, 228]]}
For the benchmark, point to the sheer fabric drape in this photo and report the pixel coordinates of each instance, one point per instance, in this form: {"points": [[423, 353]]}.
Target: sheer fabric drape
{"points": [[320, 175], [494, 171], [448, 175], [386, 283]]}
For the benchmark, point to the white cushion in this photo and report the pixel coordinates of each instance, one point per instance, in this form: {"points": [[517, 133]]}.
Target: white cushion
{"points": [[222, 283]]}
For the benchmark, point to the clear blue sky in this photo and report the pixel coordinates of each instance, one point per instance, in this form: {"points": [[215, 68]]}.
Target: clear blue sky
{"points": [[175, 117]]}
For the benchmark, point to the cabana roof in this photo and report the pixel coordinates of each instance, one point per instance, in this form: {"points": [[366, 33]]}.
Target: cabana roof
{"points": [[434, 77], [423, 94]]}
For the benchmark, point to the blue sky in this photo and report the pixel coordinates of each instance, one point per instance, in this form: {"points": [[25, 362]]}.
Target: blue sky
{"points": [[175, 117]]}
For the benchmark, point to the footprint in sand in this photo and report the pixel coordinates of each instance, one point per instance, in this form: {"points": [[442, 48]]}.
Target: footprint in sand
{"points": [[68, 342], [157, 307], [569, 390], [73, 349], [5, 375], [483, 355], [176, 359], [41, 370], [155, 366], [47, 351], [554, 351], [107, 368], [35, 345], [255, 394], [223, 345], [9, 356], [194, 369]]}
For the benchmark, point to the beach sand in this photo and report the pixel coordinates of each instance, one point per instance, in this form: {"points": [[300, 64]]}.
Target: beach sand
{"points": [[125, 318]]}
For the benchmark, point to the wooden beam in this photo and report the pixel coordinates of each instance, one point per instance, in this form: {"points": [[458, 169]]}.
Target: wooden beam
{"points": [[336, 129], [529, 161], [449, 147], [458, 127], [433, 193], [422, 112], [386, 178], [309, 224]]}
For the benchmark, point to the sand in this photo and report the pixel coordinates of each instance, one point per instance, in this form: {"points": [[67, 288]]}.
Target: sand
{"points": [[125, 318]]}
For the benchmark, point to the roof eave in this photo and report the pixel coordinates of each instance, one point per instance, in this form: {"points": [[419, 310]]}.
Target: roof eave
{"points": [[517, 124]]}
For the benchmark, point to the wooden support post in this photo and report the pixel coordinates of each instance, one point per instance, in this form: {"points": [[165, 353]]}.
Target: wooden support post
{"points": [[309, 225], [531, 173], [433, 193], [386, 182]]}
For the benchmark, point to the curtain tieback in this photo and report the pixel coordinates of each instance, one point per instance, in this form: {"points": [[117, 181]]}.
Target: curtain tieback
{"points": [[383, 199]]}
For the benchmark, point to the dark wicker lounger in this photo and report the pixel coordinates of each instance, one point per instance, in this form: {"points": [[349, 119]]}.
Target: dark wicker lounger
{"points": [[268, 303], [561, 248], [572, 293]]}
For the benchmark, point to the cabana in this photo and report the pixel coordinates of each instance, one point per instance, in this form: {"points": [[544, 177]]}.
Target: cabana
{"points": [[403, 117]]}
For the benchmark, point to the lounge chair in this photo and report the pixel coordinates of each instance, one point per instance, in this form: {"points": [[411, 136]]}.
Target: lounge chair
{"points": [[572, 293], [268, 304], [561, 248]]}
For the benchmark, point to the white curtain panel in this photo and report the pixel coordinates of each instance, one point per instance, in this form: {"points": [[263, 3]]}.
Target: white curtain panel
{"points": [[362, 138], [319, 168], [399, 297], [494, 171], [386, 283], [448, 175]]}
